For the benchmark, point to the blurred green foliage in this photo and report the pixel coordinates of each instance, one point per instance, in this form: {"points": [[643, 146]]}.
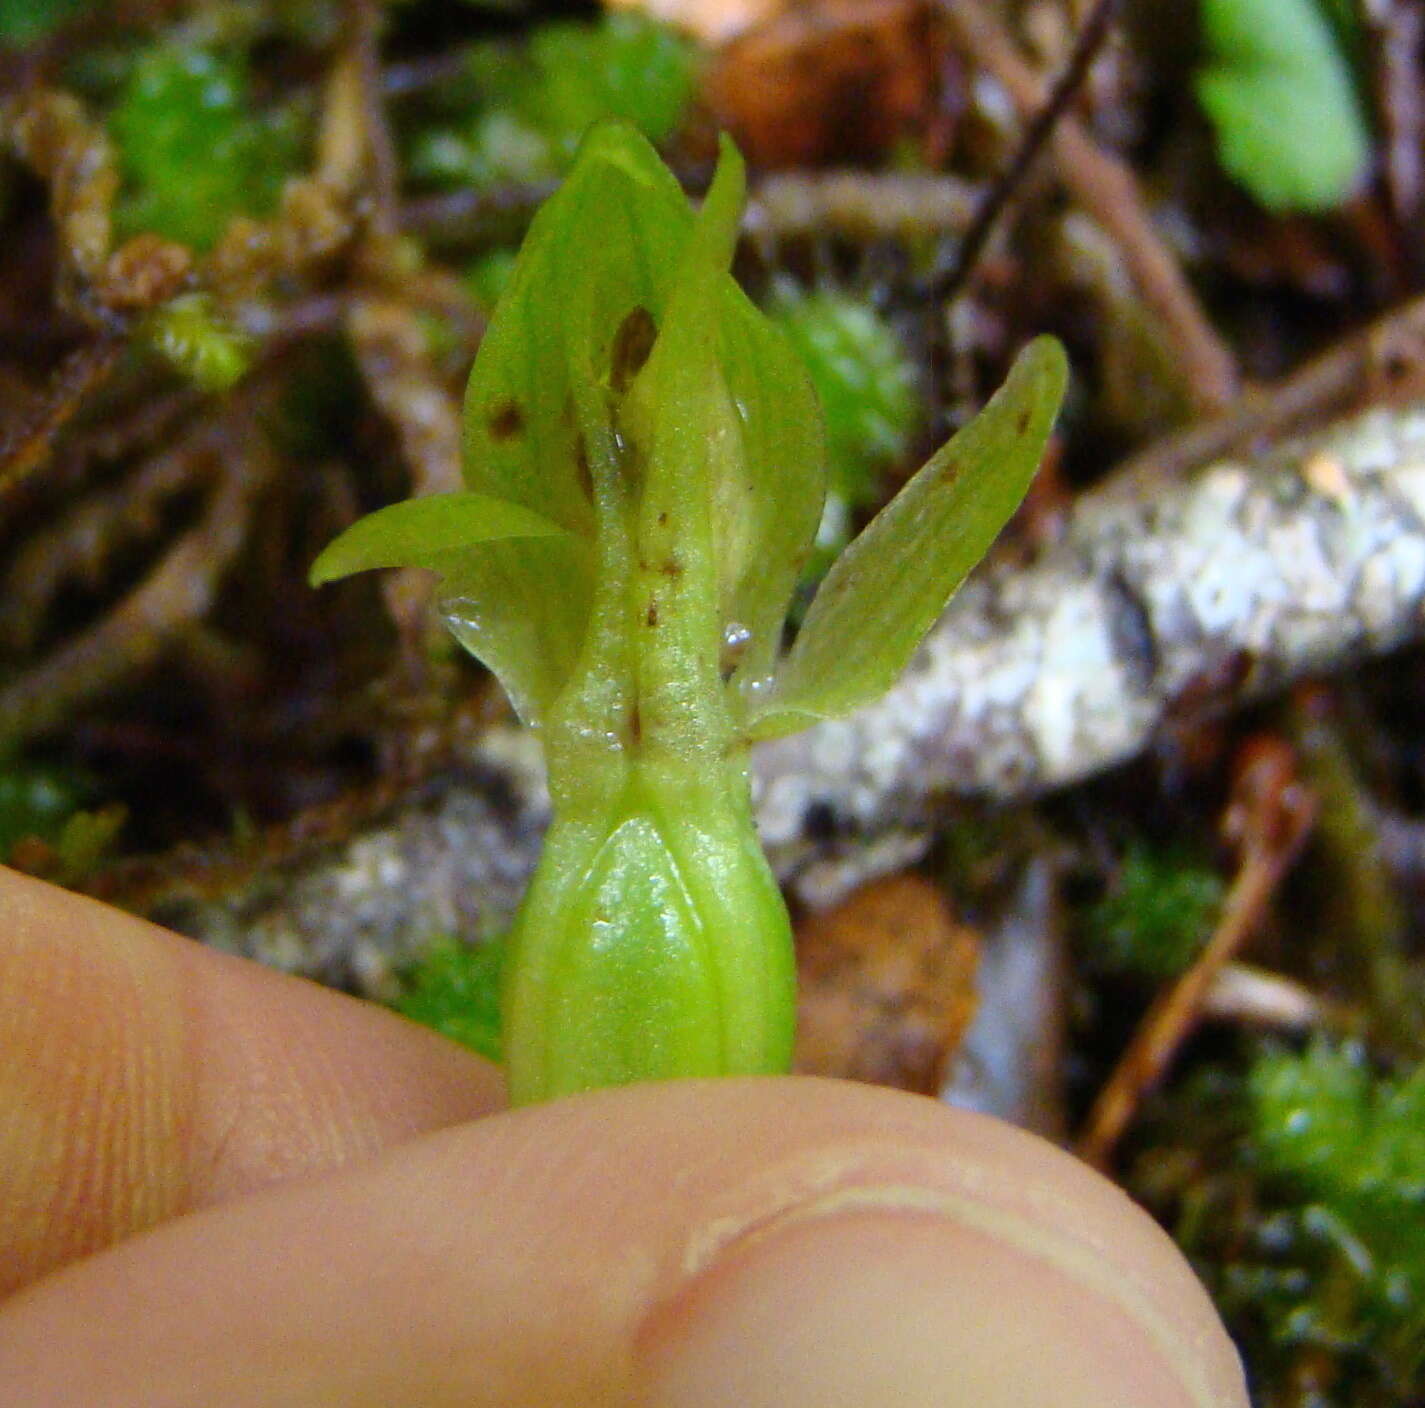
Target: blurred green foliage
{"points": [[1156, 914], [193, 150], [24, 21], [1279, 91], [866, 382], [1347, 1270], [36, 801], [455, 988], [47, 804], [190, 334], [489, 276], [525, 107]]}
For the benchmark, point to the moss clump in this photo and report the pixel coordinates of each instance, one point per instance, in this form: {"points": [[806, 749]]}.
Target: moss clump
{"points": [[1345, 1269], [1156, 915], [455, 988], [192, 149], [526, 108], [198, 342], [866, 383]]}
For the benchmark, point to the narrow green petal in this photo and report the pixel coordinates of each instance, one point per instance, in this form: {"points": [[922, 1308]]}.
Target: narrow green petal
{"points": [[887, 589], [425, 532]]}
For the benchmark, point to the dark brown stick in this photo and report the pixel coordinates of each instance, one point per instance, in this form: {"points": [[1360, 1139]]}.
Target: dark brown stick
{"points": [[1106, 188], [1086, 46]]}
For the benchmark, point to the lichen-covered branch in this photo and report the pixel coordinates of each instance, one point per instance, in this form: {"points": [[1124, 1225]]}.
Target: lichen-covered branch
{"points": [[1235, 582]]}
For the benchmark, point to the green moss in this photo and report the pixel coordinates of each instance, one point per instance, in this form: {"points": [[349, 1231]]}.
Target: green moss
{"points": [[192, 149], [865, 380], [527, 107], [1348, 1266], [1157, 914], [188, 333], [24, 21], [455, 989]]}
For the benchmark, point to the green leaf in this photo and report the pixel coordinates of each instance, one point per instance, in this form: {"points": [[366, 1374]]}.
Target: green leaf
{"points": [[521, 607], [430, 532], [608, 241], [889, 586], [1281, 97], [515, 585]]}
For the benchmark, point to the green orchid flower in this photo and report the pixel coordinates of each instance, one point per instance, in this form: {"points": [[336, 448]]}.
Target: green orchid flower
{"points": [[644, 464]]}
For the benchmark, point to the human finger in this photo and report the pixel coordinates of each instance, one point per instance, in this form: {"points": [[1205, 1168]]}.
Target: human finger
{"points": [[758, 1242], [143, 1076]]}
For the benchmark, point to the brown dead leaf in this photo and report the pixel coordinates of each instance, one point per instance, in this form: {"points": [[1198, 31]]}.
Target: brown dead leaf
{"points": [[887, 986], [837, 80]]}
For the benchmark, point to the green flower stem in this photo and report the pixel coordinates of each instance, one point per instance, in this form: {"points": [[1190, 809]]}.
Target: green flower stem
{"points": [[653, 941]]}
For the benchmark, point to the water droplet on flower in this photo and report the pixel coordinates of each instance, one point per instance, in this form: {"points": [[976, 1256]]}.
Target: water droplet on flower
{"points": [[735, 636]]}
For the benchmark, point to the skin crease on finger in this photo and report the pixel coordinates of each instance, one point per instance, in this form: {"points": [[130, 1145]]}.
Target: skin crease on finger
{"points": [[697, 1242], [143, 1077]]}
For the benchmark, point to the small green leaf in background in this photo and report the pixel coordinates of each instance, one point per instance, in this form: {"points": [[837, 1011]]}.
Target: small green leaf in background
{"points": [[192, 149], [1283, 102], [886, 590], [455, 988]]}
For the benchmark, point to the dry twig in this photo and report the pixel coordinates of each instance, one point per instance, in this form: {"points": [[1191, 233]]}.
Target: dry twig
{"points": [[177, 592], [1369, 366], [1090, 37], [1272, 815], [1107, 190]]}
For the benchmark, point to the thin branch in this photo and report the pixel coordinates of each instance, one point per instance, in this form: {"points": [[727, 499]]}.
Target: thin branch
{"points": [[1107, 189], [25, 444], [1368, 366], [382, 166], [89, 534], [1086, 46], [178, 591], [1268, 855]]}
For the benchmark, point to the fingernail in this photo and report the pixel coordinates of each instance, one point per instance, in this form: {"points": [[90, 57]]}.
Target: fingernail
{"points": [[906, 1305]]}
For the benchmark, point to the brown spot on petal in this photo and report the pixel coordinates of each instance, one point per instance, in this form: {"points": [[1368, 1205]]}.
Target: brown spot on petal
{"points": [[506, 420], [633, 342]]}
